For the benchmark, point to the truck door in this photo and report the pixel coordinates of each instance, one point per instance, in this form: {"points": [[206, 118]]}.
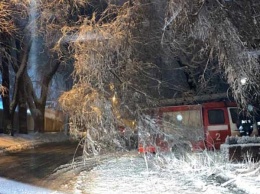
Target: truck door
{"points": [[233, 117], [216, 123]]}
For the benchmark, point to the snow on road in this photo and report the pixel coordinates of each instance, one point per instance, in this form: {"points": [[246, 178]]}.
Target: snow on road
{"points": [[132, 174], [13, 187]]}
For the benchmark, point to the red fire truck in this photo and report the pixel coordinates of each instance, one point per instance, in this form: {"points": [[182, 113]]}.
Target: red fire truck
{"points": [[207, 124]]}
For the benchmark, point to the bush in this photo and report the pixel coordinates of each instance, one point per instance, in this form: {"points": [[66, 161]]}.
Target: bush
{"points": [[242, 140]]}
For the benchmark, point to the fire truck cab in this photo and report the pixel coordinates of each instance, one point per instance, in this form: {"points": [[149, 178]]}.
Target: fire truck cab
{"points": [[206, 125]]}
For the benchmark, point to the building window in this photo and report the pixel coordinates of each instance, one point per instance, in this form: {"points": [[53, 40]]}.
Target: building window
{"points": [[216, 117]]}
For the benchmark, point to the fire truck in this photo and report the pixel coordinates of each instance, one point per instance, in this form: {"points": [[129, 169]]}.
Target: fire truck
{"points": [[205, 125]]}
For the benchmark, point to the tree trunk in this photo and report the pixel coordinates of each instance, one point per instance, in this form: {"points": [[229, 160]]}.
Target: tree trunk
{"points": [[19, 90], [6, 118], [39, 119], [40, 104], [11, 124], [22, 114]]}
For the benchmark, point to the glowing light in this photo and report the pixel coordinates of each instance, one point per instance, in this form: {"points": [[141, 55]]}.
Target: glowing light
{"points": [[243, 80], [114, 99], [179, 117]]}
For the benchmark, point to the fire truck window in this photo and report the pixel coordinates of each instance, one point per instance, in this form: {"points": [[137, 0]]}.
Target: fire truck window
{"points": [[234, 114], [216, 117]]}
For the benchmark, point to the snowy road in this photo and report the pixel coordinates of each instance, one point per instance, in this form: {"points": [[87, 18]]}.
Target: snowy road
{"points": [[34, 165], [133, 174], [123, 173]]}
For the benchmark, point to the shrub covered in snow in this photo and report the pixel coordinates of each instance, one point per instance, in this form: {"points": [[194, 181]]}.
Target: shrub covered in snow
{"points": [[246, 139], [242, 140], [231, 140]]}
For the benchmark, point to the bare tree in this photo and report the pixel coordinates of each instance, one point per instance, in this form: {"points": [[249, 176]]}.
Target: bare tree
{"points": [[15, 48], [218, 35], [123, 51], [112, 73], [51, 17], [17, 36]]}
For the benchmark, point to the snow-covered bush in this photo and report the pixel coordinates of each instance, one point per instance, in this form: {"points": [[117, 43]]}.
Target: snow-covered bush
{"points": [[246, 140], [242, 140], [231, 140]]}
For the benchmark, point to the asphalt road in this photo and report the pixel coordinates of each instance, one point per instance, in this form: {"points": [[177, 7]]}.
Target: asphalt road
{"points": [[35, 165]]}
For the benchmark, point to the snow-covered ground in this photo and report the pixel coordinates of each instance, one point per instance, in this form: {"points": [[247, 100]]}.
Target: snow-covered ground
{"points": [[13, 187], [196, 173], [204, 172]]}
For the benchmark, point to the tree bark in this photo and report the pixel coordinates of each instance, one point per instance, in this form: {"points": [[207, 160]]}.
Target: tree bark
{"points": [[19, 66], [39, 119], [22, 108], [41, 103], [6, 119]]}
